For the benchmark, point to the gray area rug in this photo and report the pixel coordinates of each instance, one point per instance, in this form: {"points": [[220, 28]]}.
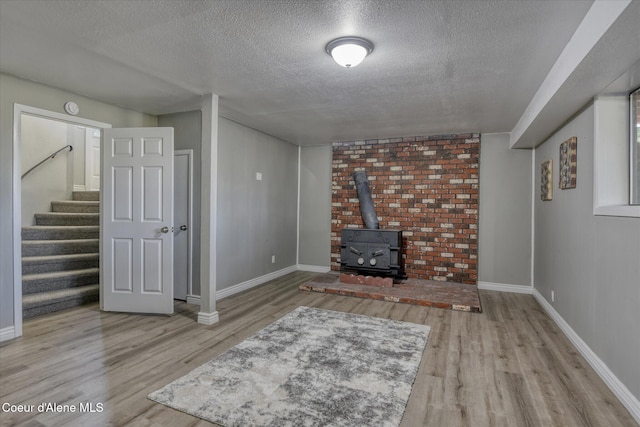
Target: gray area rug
{"points": [[312, 367]]}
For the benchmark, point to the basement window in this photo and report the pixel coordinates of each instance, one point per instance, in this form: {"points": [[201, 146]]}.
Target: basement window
{"points": [[634, 148], [616, 166]]}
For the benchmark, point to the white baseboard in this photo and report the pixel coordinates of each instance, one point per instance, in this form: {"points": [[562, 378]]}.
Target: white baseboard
{"points": [[7, 333], [617, 387], [623, 394], [227, 292], [77, 187], [208, 318], [193, 299], [313, 268], [503, 287]]}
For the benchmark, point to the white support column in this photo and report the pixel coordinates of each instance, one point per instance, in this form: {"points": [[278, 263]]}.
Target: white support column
{"points": [[208, 314]]}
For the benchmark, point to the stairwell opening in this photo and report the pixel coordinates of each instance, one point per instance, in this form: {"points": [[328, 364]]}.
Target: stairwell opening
{"points": [[59, 230], [70, 202]]}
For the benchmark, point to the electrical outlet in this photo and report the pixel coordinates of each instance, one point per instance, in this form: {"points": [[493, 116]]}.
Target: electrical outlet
{"points": [[273, 259], [258, 176], [553, 296]]}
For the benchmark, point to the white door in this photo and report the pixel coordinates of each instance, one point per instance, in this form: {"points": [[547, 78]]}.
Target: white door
{"points": [[136, 253], [182, 199], [92, 159]]}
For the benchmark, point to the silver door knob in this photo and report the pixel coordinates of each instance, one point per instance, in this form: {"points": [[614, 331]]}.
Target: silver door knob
{"points": [[183, 227], [164, 230]]}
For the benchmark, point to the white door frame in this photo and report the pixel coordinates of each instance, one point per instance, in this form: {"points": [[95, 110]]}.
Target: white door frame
{"points": [[18, 110], [89, 159], [189, 154]]}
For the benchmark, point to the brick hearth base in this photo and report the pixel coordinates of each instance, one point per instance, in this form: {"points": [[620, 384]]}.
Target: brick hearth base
{"points": [[430, 293]]}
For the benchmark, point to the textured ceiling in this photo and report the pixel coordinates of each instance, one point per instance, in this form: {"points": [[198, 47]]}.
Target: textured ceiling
{"points": [[437, 66]]}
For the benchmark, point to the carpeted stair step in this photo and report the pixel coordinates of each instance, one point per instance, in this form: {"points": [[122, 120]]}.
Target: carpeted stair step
{"points": [[86, 195], [60, 232], [69, 219], [51, 263], [75, 206], [60, 259], [59, 247], [49, 302], [46, 282]]}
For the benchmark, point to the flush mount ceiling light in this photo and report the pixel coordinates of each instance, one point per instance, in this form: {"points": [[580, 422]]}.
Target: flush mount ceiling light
{"points": [[349, 51]]}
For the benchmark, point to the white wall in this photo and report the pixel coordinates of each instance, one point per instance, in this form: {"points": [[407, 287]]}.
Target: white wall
{"points": [[591, 263]]}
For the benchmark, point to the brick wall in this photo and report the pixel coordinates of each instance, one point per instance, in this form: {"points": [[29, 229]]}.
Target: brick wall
{"points": [[425, 186]]}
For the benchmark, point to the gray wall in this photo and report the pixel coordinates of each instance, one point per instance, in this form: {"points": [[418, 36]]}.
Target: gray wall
{"points": [[187, 130], [592, 263], [14, 90], [56, 178], [315, 206], [52, 180], [504, 246], [504, 236], [256, 219]]}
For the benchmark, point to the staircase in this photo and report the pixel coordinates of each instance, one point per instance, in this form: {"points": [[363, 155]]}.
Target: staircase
{"points": [[60, 256]]}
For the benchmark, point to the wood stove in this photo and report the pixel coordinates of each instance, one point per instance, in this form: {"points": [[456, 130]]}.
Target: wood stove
{"points": [[371, 251]]}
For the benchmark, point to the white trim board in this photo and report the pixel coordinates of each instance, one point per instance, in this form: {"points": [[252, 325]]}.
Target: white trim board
{"points": [[189, 154], [232, 290], [298, 207], [18, 111], [208, 318], [313, 268], [503, 287], [623, 394], [611, 157], [193, 299], [227, 292], [8, 333]]}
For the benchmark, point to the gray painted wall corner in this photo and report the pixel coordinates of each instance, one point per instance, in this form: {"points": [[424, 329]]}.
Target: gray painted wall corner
{"points": [[504, 231], [315, 206]]}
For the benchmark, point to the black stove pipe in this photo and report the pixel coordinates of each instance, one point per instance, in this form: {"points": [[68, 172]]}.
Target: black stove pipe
{"points": [[366, 203]]}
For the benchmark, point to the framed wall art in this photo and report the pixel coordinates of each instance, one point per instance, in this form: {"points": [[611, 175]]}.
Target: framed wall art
{"points": [[546, 180], [568, 163]]}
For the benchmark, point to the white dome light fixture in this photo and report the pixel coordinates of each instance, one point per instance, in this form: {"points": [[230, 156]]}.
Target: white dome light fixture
{"points": [[349, 51]]}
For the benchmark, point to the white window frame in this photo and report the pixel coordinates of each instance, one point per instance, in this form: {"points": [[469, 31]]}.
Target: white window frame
{"points": [[634, 147], [611, 180]]}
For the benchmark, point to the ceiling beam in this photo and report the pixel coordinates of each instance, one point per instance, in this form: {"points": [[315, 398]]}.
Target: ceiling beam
{"points": [[565, 89]]}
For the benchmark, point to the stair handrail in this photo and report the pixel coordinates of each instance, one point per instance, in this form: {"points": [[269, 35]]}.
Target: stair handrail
{"points": [[50, 156]]}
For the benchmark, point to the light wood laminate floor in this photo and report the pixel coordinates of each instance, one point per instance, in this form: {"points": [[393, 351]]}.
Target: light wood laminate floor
{"points": [[508, 366]]}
